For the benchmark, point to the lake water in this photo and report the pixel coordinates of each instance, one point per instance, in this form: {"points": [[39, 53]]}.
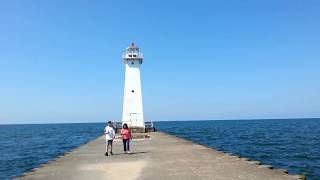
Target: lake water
{"points": [[24, 147], [293, 144]]}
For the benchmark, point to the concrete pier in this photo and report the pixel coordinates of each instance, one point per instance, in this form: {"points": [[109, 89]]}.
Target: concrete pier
{"points": [[161, 156]]}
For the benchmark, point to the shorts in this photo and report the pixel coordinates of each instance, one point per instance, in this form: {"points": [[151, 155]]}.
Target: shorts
{"points": [[109, 142]]}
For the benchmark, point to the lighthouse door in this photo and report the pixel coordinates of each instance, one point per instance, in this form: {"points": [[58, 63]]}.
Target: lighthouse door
{"points": [[133, 119]]}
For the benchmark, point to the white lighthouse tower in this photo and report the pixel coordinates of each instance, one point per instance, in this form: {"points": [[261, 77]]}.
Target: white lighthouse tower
{"points": [[132, 103]]}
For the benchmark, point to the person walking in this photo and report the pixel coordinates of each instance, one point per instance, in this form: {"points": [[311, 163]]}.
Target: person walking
{"points": [[110, 136], [126, 137]]}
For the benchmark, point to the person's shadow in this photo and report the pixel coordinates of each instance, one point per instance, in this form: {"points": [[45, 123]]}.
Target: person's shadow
{"points": [[141, 152], [131, 153]]}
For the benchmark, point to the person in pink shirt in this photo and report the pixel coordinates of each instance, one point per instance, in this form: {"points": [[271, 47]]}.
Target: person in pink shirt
{"points": [[126, 137]]}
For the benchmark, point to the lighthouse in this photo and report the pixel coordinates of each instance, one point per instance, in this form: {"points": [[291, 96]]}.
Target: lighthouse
{"points": [[132, 101]]}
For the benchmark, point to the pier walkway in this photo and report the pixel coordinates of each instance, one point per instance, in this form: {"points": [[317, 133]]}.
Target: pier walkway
{"points": [[162, 157]]}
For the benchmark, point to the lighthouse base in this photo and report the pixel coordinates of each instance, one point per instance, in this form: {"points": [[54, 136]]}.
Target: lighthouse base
{"points": [[149, 127], [138, 129], [142, 129]]}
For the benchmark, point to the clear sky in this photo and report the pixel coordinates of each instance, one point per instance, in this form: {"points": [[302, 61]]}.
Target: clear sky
{"points": [[60, 61]]}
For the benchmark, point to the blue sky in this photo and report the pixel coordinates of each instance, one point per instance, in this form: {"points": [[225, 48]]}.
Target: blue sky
{"points": [[60, 61]]}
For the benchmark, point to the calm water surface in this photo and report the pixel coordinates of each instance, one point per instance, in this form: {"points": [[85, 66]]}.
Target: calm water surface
{"points": [[293, 144], [24, 147]]}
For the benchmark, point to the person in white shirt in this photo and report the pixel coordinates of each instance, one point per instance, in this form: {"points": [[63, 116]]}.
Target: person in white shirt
{"points": [[110, 135]]}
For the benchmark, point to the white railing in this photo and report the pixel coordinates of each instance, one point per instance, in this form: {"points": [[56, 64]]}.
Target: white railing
{"points": [[126, 56], [148, 124]]}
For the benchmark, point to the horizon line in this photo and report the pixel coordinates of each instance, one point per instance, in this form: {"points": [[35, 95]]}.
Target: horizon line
{"points": [[249, 119]]}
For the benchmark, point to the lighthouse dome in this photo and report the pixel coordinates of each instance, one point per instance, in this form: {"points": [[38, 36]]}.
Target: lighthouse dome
{"points": [[132, 53]]}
